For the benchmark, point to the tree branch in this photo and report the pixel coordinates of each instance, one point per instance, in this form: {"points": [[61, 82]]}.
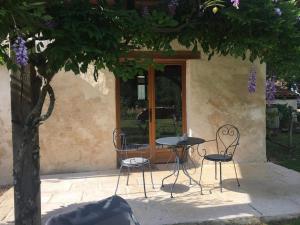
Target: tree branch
{"points": [[35, 118], [45, 116]]}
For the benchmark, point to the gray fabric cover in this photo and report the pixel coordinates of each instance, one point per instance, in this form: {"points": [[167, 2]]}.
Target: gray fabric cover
{"points": [[110, 211]]}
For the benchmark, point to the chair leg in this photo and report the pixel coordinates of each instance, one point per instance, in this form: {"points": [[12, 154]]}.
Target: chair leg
{"points": [[118, 179], [236, 173], [128, 173], [144, 181], [216, 176], [201, 171], [151, 175], [221, 176]]}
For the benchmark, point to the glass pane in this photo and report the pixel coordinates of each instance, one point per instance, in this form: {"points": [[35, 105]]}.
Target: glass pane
{"points": [[168, 110], [134, 110]]}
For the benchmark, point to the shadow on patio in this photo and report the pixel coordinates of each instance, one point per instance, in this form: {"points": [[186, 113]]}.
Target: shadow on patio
{"points": [[267, 190]]}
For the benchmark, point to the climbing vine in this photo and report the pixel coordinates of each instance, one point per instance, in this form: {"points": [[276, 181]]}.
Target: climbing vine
{"points": [[81, 32], [39, 38]]}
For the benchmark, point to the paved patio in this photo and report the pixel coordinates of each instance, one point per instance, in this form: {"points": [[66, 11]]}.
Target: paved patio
{"points": [[267, 191]]}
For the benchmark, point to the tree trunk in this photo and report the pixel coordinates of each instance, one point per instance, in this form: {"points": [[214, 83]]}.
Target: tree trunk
{"points": [[25, 90]]}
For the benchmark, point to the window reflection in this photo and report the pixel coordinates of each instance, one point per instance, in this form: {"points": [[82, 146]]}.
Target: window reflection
{"points": [[133, 107], [168, 101]]}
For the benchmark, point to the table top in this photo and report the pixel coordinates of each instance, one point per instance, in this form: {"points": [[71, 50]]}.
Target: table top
{"points": [[175, 141]]}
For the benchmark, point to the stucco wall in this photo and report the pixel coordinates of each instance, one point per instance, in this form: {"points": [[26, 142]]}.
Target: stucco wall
{"points": [[217, 94], [5, 128], [78, 136]]}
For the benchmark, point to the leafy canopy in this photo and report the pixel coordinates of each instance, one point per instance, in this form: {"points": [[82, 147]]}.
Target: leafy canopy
{"points": [[82, 32]]}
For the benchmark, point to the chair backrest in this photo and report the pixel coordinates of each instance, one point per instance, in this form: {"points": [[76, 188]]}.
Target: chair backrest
{"points": [[120, 143], [227, 138], [123, 149], [119, 139]]}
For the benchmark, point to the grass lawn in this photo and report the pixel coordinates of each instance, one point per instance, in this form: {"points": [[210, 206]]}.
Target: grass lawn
{"points": [[281, 155], [284, 222], [295, 221]]}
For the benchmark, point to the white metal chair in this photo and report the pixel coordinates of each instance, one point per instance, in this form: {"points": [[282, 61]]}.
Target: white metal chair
{"points": [[125, 161]]}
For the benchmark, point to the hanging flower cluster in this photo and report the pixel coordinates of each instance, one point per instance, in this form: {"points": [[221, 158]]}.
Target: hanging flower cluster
{"points": [[172, 6], [270, 90], [235, 3], [145, 11], [50, 24], [252, 80], [278, 11], [20, 49]]}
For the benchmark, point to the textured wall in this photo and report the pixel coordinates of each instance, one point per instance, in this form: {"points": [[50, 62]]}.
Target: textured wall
{"points": [[78, 136], [5, 129], [217, 94]]}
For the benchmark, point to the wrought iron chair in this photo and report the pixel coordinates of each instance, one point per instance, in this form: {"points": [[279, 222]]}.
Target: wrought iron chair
{"points": [[112, 210], [126, 161], [227, 140]]}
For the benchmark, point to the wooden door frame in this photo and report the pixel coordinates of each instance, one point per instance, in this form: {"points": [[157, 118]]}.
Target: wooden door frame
{"points": [[162, 155], [151, 104]]}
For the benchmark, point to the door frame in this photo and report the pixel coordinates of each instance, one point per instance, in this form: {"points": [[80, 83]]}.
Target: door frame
{"points": [[157, 155]]}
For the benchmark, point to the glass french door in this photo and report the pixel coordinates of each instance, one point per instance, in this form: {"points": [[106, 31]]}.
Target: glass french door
{"points": [[152, 106]]}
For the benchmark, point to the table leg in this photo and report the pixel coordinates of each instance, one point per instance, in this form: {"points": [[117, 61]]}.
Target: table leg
{"points": [[180, 162], [184, 170], [190, 158], [173, 173], [175, 179]]}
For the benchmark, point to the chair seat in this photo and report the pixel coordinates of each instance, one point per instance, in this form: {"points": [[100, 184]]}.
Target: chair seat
{"points": [[218, 157], [135, 161]]}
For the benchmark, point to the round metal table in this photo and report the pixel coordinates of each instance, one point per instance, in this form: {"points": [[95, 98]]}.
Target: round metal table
{"points": [[177, 143]]}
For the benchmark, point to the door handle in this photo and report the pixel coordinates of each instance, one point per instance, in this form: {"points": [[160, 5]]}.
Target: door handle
{"points": [[150, 115]]}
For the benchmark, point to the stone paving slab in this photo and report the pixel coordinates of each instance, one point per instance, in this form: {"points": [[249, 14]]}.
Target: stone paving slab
{"points": [[267, 191]]}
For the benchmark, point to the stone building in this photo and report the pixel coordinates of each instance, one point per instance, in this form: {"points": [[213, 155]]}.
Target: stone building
{"points": [[207, 94]]}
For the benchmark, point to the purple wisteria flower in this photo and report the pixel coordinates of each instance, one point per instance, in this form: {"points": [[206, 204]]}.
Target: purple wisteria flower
{"points": [[20, 49], [252, 80], [172, 6], [235, 3], [50, 24], [270, 90], [278, 11], [145, 11]]}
